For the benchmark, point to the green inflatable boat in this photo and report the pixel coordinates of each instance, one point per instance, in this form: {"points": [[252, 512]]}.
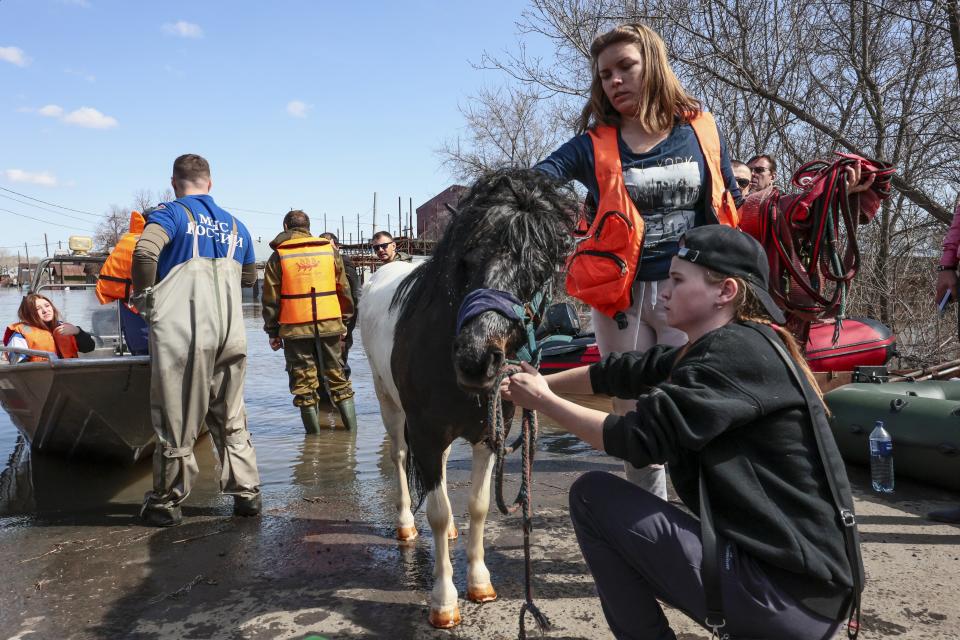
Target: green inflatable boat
{"points": [[923, 418]]}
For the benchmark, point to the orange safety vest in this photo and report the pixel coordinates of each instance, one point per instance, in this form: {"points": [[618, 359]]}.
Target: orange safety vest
{"points": [[308, 281], [43, 340], [604, 264], [114, 281]]}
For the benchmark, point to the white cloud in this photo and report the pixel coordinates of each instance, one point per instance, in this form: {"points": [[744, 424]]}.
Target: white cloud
{"points": [[298, 108], [90, 118], [183, 29], [14, 55], [43, 179], [51, 111], [83, 75]]}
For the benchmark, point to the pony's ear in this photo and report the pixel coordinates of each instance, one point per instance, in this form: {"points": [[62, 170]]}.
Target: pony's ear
{"points": [[452, 209]]}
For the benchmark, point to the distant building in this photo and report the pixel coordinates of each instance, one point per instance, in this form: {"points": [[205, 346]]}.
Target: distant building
{"points": [[433, 215]]}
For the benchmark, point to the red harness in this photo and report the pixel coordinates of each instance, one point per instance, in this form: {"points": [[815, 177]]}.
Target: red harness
{"points": [[810, 237]]}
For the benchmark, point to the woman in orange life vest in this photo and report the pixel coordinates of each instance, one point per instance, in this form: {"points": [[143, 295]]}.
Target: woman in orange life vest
{"points": [[41, 328], [657, 165]]}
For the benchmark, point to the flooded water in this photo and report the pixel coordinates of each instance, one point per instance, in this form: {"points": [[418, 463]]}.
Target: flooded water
{"points": [[354, 466]]}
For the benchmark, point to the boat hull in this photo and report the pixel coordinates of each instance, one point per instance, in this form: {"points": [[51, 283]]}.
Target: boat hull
{"points": [[923, 419], [82, 408]]}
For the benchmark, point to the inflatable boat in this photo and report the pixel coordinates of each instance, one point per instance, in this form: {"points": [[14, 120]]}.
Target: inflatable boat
{"points": [[923, 418]]}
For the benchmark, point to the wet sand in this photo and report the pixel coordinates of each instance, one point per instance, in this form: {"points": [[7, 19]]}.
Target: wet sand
{"points": [[312, 566], [322, 560]]}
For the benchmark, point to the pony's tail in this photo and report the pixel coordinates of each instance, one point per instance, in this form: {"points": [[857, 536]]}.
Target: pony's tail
{"points": [[415, 482]]}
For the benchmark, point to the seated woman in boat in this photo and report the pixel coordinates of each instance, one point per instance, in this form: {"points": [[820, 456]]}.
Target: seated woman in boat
{"points": [[739, 419], [41, 328]]}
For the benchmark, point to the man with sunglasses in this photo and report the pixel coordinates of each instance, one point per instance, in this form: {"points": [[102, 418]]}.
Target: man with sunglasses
{"points": [[742, 174], [763, 169], [386, 249]]}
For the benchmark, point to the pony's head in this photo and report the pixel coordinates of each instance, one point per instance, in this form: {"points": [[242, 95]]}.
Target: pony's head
{"points": [[511, 233]]}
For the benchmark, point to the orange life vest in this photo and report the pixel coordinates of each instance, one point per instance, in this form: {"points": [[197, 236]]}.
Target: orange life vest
{"points": [[43, 340], [603, 267], [114, 281], [308, 281]]}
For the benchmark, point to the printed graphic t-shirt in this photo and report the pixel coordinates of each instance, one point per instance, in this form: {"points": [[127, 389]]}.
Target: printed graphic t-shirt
{"points": [[668, 184], [213, 225]]}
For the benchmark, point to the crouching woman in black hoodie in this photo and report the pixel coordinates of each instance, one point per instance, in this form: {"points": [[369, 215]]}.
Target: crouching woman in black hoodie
{"points": [[738, 417]]}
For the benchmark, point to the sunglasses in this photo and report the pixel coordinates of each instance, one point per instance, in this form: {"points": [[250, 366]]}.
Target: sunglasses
{"points": [[382, 246], [760, 170], [742, 182]]}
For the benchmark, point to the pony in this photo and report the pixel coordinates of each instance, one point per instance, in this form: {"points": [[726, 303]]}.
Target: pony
{"points": [[511, 233]]}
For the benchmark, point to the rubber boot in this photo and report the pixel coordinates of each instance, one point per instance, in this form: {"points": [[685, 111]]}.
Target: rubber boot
{"points": [[310, 414], [158, 516], [247, 506], [348, 413]]}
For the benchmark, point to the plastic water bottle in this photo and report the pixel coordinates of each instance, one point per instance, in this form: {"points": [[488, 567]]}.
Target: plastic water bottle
{"points": [[881, 459]]}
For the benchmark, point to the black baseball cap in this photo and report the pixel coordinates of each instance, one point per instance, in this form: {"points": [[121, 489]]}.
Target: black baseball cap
{"points": [[733, 253]]}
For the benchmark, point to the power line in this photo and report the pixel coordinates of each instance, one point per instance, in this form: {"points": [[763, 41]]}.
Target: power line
{"points": [[58, 206], [30, 204], [39, 244], [56, 224], [59, 213], [266, 213]]}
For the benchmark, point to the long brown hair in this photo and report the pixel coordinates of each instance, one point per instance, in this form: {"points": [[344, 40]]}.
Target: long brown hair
{"points": [[28, 312], [747, 308], [664, 99]]}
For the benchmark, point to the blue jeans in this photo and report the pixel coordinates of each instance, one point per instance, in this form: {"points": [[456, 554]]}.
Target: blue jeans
{"points": [[641, 549]]}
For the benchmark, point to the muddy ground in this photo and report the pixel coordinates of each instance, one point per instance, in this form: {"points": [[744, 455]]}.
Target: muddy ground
{"points": [[310, 567]]}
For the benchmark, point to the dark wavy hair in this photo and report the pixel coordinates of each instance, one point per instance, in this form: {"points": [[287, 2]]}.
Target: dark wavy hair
{"points": [[515, 221]]}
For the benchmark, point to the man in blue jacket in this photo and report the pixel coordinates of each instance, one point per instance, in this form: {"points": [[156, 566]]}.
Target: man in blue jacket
{"points": [[188, 268]]}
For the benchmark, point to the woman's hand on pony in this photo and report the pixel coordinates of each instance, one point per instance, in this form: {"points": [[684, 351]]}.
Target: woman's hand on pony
{"points": [[525, 387]]}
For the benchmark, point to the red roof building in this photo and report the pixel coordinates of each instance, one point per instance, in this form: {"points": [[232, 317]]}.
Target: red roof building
{"points": [[433, 215]]}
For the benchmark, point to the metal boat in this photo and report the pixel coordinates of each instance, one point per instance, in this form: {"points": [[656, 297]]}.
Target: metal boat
{"points": [[96, 406]]}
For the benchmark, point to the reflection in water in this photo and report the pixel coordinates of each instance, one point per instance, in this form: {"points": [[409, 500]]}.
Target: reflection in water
{"points": [[338, 464]]}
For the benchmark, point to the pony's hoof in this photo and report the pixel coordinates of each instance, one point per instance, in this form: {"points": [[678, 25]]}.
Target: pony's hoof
{"points": [[481, 593], [406, 534], [452, 533], [445, 618]]}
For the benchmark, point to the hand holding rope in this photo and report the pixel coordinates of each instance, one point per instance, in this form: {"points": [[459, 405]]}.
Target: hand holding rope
{"points": [[499, 430]]}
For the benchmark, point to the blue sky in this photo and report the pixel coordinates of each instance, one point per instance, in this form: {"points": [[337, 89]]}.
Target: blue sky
{"points": [[315, 105]]}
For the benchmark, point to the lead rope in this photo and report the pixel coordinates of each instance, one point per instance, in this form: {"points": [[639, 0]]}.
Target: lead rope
{"points": [[527, 443]]}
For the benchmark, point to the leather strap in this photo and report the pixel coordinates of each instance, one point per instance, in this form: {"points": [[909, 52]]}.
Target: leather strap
{"points": [[843, 506]]}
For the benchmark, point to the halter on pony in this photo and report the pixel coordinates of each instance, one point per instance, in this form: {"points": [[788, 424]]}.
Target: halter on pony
{"points": [[529, 315], [510, 307]]}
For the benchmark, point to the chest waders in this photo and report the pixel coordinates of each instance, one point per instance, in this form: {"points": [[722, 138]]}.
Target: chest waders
{"points": [[198, 349]]}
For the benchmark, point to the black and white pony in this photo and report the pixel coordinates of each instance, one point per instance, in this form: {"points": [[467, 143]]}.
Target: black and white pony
{"points": [[505, 245]]}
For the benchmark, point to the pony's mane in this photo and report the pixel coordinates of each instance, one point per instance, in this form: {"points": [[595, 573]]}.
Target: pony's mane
{"points": [[521, 212]]}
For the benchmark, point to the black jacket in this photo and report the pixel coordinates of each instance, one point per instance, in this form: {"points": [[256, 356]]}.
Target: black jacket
{"points": [[354, 279], [730, 405]]}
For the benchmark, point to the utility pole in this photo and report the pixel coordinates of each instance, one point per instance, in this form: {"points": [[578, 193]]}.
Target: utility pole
{"points": [[410, 214], [400, 215], [359, 237], [27, 252], [343, 224], [373, 226], [59, 244], [46, 247]]}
